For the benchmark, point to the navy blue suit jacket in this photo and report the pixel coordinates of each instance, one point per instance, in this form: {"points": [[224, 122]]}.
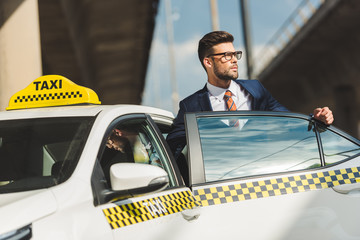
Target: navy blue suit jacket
{"points": [[200, 101]]}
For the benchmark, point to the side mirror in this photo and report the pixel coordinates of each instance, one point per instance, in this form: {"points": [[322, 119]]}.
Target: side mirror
{"points": [[132, 179]]}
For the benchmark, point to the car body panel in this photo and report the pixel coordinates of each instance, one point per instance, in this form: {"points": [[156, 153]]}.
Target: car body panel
{"points": [[156, 214], [27, 207]]}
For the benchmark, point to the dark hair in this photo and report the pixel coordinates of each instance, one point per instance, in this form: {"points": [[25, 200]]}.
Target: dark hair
{"points": [[211, 39]]}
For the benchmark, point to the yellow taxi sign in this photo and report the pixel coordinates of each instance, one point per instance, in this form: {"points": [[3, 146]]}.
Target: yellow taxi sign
{"points": [[52, 90]]}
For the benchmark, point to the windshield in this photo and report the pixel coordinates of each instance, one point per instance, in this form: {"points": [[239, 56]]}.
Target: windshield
{"points": [[39, 153]]}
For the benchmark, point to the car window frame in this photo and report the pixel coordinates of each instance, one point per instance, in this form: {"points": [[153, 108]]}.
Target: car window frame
{"points": [[155, 122], [98, 181], [195, 157], [334, 130]]}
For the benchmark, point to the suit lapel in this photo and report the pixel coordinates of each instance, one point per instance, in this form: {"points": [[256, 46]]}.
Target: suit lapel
{"points": [[250, 90], [204, 100]]}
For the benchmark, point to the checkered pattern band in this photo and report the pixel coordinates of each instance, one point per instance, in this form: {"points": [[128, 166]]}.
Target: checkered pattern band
{"points": [[47, 97], [128, 214], [276, 186]]}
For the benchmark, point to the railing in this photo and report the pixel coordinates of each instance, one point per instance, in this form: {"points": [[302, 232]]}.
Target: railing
{"points": [[285, 34]]}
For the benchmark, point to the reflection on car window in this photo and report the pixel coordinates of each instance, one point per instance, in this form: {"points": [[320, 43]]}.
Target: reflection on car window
{"points": [[135, 142], [39, 153], [260, 145], [336, 148]]}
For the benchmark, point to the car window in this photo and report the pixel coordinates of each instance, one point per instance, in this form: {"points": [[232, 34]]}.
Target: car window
{"points": [[134, 141], [337, 148], [258, 145]]}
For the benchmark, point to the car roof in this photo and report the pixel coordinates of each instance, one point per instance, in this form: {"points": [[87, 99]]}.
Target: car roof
{"points": [[82, 111]]}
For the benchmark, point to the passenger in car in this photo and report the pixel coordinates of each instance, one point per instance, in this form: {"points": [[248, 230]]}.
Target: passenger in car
{"points": [[118, 149], [117, 141], [219, 59], [128, 145]]}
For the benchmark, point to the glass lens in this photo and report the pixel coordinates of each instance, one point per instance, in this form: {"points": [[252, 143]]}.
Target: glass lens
{"points": [[230, 55], [238, 55]]}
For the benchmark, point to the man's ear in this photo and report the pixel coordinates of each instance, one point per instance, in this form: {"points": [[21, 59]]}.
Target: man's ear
{"points": [[207, 62]]}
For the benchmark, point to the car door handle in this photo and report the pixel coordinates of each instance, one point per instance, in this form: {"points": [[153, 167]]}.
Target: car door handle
{"points": [[191, 214], [353, 189]]}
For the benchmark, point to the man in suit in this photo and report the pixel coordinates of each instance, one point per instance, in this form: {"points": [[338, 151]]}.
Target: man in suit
{"points": [[219, 59]]}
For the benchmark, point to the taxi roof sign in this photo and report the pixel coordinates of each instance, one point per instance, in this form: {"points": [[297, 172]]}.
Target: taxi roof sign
{"points": [[52, 90]]}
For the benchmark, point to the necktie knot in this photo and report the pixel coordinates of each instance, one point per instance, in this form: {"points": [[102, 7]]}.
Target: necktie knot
{"points": [[227, 94], [229, 101]]}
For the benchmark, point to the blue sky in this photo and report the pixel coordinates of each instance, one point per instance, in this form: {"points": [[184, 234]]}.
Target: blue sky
{"points": [[191, 20]]}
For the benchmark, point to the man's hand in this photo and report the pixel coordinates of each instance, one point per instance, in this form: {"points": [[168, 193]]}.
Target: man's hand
{"points": [[324, 114]]}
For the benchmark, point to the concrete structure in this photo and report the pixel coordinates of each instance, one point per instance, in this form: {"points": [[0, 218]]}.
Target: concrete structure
{"points": [[321, 65], [104, 45], [20, 55]]}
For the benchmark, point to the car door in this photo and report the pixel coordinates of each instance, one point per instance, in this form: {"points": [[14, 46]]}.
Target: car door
{"points": [[160, 214], [275, 176]]}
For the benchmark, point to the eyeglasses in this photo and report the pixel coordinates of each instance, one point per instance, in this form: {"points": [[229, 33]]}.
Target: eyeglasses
{"points": [[228, 55]]}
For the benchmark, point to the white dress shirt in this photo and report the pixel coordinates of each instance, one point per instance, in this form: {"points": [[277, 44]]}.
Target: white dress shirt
{"points": [[241, 98]]}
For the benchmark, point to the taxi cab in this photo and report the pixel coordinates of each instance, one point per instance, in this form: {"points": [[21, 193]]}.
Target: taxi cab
{"points": [[71, 168]]}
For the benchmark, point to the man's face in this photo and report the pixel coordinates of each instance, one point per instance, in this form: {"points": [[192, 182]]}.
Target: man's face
{"points": [[224, 69], [116, 142]]}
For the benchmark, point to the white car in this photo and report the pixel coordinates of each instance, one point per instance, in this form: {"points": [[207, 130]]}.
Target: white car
{"points": [[71, 168]]}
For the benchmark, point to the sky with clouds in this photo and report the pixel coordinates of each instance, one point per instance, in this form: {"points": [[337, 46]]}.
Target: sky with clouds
{"points": [[191, 19]]}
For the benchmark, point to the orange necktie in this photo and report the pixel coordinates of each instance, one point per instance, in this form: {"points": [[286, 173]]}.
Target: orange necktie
{"points": [[231, 107], [229, 101]]}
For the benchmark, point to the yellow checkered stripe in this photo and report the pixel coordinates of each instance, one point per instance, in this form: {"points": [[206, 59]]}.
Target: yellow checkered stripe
{"points": [[276, 186], [137, 212], [49, 96]]}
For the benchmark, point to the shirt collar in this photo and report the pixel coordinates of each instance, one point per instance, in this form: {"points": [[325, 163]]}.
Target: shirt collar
{"points": [[219, 92]]}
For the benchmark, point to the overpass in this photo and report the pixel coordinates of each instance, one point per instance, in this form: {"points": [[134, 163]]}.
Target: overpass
{"points": [[104, 45], [320, 65]]}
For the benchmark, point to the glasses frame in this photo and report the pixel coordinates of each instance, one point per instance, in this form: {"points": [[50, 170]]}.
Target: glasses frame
{"points": [[226, 55]]}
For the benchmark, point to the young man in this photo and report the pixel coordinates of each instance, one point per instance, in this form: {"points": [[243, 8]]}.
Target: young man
{"points": [[219, 59]]}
